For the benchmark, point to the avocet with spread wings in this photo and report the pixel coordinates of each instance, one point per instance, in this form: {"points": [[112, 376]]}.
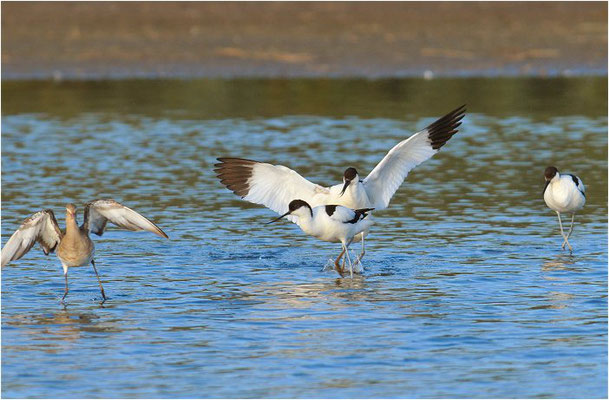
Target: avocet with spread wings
{"points": [[275, 186]]}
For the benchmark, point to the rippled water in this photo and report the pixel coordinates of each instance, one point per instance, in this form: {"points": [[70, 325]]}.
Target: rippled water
{"points": [[466, 293]]}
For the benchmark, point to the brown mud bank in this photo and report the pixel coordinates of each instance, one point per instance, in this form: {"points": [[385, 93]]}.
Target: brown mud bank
{"points": [[300, 39]]}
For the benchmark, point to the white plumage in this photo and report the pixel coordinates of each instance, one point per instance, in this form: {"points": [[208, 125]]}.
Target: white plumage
{"points": [[564, 193], [385, 179], [330, 223]]}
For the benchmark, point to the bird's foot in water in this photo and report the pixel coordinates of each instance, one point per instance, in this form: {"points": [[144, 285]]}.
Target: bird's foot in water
{"points": [[329, 266], [332, 266], [358, 267]]}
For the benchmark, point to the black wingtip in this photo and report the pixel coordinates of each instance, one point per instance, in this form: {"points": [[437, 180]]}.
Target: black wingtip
{"points": [[234, 173], [441, 130]]}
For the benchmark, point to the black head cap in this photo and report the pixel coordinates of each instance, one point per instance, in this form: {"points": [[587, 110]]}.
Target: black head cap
{"points": [[293, 206], [550, 173], [350, 173], [296, 204]]}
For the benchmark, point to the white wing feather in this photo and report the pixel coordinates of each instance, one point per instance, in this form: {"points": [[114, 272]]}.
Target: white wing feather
{"points": [[342, 214], [360, 220], [382, 183], [41, 227], [99, 212], [273, 186]]}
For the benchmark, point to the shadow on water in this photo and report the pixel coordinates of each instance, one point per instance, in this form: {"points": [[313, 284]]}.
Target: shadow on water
{"points": [[466, 290]]}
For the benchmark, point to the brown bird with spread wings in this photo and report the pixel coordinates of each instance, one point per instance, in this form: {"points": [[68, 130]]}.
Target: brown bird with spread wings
{"points": [[74, 248]]}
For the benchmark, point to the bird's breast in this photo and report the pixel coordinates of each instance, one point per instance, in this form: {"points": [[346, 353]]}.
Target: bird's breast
{"points": [[564, 197], [319, 228], [356, 197], [75, 251]]}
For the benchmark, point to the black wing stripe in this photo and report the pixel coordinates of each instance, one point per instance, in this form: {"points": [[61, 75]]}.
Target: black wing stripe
{"points": [[359, 215], [330, 209]]}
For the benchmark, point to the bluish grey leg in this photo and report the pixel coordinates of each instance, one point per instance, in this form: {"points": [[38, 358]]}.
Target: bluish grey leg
{"points": [[350, 263], [570, 231], [562, 232], [359, 258]]}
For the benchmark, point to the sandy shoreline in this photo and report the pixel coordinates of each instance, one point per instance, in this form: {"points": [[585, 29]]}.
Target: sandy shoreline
{"points": [[371, 40]]}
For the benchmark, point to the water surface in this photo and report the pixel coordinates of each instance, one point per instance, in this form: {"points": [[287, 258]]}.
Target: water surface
{"points": [[466, 291]]}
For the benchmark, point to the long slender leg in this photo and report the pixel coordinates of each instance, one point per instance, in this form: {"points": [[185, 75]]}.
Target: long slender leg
{"points": [[65, 293], [347, 251], [98, 280], [349, 257], [65, 275], [339, 269], [570, 231], [350, 263], [572, 224], [359, 258], [562, 232]]}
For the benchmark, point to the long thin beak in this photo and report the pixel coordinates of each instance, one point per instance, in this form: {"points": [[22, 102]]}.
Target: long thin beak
{"points": [[345, 187], [278, 218], [544, 188]]}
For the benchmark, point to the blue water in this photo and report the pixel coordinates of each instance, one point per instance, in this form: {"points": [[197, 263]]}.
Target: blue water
{"points": [[466, 291]]}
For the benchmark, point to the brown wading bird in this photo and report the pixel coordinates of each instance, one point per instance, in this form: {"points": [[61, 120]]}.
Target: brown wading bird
{"points": [[74, 247]]}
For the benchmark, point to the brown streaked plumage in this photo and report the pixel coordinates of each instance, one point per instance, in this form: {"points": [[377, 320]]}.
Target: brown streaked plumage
{"points": [[74, 248]]}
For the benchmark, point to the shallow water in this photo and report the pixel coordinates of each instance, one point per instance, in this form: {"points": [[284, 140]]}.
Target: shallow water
{"points": [[466, 291]]}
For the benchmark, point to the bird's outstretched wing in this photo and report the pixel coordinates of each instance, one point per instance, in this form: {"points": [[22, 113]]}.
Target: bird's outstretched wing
{"points": [[382, 183], [41, 227], [273, 186], [99, 212]]}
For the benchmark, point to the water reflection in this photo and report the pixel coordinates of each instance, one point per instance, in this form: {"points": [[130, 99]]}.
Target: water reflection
{"points": [[560, 263], [55, 332], [386, 98]]}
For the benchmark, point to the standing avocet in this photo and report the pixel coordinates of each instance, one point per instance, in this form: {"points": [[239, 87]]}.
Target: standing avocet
{"points": [[564, 193], [274, 186], [330, 223], [74, 247]]}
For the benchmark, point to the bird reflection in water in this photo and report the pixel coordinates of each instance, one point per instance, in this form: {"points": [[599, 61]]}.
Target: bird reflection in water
{"points": [[56, 332]]}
